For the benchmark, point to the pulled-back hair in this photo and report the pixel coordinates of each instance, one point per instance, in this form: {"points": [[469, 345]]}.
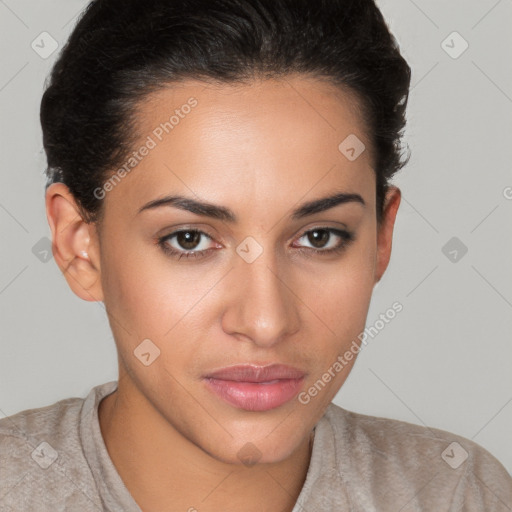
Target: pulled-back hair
{"points": [[122, 50]]}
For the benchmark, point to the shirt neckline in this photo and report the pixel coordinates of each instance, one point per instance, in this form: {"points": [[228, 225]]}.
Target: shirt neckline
{"points": [[115, 495]]}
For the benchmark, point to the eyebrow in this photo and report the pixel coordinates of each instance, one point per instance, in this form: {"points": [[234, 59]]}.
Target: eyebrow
{"points": [[225, 214]]}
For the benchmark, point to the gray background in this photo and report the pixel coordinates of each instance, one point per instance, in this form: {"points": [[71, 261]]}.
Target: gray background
{"points": [[444, 361]]}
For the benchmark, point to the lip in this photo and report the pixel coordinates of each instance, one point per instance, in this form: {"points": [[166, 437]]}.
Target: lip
{"points": [[256, 373], [256, 388]]}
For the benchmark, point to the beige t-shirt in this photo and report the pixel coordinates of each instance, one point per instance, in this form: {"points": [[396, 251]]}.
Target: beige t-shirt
{"points": [[54, 459]]}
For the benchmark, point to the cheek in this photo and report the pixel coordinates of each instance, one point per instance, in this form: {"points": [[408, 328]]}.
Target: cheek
{"points": [[148, 292], [149, 295], [340, 298], [341, 291]]}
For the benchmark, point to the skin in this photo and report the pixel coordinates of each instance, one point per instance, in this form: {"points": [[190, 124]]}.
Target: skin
{"points": [[260, 149]]}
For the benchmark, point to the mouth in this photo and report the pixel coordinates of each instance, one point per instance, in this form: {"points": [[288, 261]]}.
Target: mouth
{"points": [[256, 388]]}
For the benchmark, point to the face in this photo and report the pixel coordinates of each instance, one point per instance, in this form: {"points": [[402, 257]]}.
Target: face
{"points": [[254, 279]]}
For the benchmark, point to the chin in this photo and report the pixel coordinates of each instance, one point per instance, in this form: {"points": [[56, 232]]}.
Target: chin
{"points": [[266, 450]]}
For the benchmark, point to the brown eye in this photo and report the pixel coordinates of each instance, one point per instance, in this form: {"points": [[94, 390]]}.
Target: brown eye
{"points": [[188, 243], [324, 240], [188, 240], [319, 237]]}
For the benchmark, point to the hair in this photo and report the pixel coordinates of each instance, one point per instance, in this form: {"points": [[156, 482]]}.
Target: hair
{"points": [[120, 51]]}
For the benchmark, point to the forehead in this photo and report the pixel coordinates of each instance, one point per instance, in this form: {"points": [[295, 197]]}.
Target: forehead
{"points": [[262, 142]]}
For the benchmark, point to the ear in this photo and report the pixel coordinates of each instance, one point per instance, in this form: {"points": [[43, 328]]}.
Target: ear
{"points": [[385, 230], [75, 243]]}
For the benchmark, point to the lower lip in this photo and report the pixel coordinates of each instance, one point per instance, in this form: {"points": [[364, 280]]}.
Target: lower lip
{"points": [[255, 396]]}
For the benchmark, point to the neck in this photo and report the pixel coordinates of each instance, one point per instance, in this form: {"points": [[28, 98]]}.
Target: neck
{"points": [[163, 470]]}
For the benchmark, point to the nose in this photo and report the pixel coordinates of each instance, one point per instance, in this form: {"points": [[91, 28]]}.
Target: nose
{"points": [[263, 306]]}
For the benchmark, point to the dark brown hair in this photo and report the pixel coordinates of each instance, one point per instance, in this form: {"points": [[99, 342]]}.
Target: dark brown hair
{"points": [[122, 50]]}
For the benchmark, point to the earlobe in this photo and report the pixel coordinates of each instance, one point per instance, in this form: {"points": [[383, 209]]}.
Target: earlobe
{"points": [[385, 231], [74, 243]]}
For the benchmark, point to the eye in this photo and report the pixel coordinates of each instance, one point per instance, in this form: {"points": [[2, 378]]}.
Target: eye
{"points": [[323, 241], [185, 243], [193, 243]]}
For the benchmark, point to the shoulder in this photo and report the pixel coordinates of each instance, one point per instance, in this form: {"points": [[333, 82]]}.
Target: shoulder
{"points": [[42, 419], [412, 463], [54, 424], [41, 457]]}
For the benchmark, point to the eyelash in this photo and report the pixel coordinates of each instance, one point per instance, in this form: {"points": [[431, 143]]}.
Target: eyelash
{"points": [[346, 236]]}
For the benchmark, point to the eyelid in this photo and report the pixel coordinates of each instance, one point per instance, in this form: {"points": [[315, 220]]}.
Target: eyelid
{"points": [[344, 234], [185, 229], [166, 233], [180, 229]]}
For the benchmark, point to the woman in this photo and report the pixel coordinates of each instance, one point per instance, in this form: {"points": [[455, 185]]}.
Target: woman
{"points": [[219, 176]]}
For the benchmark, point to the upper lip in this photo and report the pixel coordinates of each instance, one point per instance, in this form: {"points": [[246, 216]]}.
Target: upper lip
{"points": [[256, 373]]}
